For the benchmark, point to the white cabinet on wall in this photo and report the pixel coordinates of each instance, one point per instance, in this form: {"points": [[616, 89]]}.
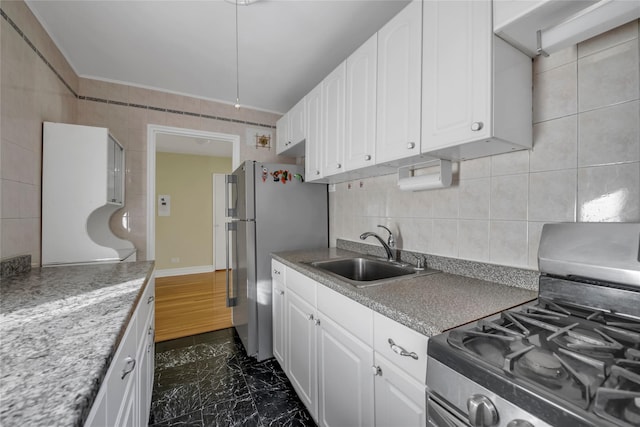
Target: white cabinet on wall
{"points": [[398, 85], [124, 398], [333, 119], [313, 144], [360, 126], [291, 131], [82, 186], [282, 134], [476, 89]]}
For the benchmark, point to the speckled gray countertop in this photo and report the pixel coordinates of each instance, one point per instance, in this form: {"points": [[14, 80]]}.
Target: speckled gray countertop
{"points": [[59, 328], [428, 304]]}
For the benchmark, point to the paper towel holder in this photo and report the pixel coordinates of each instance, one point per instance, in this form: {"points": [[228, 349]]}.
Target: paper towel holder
{"points": [[408, 181]]}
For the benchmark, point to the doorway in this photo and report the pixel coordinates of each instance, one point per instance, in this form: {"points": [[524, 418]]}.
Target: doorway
{"points": [[189, 299]]}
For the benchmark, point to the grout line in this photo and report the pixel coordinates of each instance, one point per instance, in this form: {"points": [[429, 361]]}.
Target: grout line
{"points": [[108, 101]]}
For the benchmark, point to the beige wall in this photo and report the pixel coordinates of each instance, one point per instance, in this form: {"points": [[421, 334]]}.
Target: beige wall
{"points": [[188, 232], [584, 166], [33, 91]]}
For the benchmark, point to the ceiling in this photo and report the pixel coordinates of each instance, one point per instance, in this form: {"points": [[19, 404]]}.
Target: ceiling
{"points": [[286, 47]]}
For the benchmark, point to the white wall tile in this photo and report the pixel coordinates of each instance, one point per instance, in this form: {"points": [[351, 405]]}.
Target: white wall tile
{"points": [[535, 230], [509, 196], [445, 237], [609, 193], [475, 198], [555, 145], [609, 39], [473, 240], [445, 203], [508, 244], [609, 135], [609, 76], [510, 163], [476, 168], [555, 93], [552, 195], [565, 56]]}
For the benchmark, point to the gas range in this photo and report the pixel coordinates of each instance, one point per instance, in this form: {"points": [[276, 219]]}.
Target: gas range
{"points": [[571, 358]]}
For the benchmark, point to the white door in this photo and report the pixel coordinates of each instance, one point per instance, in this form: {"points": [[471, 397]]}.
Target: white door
{"points": [[399, 398], [398, 91], [345, 379], [219, 219]]}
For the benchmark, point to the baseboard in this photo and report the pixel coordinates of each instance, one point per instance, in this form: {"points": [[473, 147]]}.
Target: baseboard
{"points": [[185, 270]]}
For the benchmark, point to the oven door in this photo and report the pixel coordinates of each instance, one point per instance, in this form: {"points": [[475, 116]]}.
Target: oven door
{"points": [[440, 415]]}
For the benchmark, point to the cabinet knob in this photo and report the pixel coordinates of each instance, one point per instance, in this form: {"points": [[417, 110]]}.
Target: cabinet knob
{"points": [[281, 292], [317, 172], [411, 145], [150, 299], [338, 165], [476, 126], [317, 322], [367, 157], [376, 371], [310, 317], [130, 364]]}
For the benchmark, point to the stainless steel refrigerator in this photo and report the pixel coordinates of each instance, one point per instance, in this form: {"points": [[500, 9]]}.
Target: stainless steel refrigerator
{"points": [[272, 209]]}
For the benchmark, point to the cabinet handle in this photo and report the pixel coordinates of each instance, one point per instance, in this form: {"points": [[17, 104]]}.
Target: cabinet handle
{"points": [[367, 157], [338, 165], [276, 272], [281, 292], [310, 317], [317, 322], [130, 364], [401, 351], [411, 145], [376, 371], [150, 332], [476, 126], [150, 299]]}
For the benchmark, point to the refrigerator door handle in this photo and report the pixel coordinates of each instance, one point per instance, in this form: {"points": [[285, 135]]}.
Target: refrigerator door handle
{"points": [[231, 211], [229, 227]]}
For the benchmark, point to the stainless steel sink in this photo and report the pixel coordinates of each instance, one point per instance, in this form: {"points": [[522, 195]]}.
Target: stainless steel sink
{"points": [[363, 272]]}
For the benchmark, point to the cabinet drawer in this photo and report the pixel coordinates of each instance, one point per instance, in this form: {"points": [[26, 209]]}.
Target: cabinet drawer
{"points": [[278, 271], [386, 329], [352, 316], [302, 285]]}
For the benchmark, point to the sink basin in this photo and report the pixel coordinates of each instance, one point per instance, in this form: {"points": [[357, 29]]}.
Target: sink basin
{"points": [[362, 272]]}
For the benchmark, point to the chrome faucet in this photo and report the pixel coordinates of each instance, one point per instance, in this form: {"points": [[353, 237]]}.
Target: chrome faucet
{"points": [[386, 245]]}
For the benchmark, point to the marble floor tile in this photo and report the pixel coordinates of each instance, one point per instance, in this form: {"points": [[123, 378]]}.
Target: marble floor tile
{"points": [[208, 380]]}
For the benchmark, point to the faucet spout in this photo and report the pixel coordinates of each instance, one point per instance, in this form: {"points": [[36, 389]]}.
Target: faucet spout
{"points": [[384, 244]]}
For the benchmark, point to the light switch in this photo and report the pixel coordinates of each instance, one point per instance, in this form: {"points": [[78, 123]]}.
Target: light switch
{"points": [[164, 205]]}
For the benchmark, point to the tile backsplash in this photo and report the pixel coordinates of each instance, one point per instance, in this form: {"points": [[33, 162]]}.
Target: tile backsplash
{"points": [[584, 166]]}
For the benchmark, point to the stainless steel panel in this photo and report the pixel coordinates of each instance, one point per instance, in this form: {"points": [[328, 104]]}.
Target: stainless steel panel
{"points": [[601, 251]]}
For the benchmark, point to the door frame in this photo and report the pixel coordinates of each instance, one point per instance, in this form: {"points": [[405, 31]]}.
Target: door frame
{"points": [[152, 133]]}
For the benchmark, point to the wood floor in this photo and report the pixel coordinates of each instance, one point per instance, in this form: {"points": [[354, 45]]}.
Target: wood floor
{"points": [[190, 305]]}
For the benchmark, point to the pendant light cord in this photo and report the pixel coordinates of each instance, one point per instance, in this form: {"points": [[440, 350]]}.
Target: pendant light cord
{"points": [[237, 62]]}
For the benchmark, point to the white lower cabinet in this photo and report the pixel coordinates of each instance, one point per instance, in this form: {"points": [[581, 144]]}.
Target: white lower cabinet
{"points": [[124, 398], [340, 362], [278, 271]]}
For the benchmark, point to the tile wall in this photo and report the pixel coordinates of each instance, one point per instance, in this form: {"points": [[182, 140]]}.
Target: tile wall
{"points": [[584, 166], [37, 84]]}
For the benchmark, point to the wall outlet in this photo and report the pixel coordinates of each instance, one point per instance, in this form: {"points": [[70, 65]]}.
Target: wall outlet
{"points": [[175, 260]]}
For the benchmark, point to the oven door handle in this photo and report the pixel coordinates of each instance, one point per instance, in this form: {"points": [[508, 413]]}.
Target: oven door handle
{"points": [[438, 416]]}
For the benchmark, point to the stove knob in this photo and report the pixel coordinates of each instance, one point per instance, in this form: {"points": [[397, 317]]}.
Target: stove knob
{"points": [[519, 423], [482, 412]]}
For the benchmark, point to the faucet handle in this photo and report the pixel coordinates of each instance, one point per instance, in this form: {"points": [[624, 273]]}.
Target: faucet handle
{"points": [[391, 241]]}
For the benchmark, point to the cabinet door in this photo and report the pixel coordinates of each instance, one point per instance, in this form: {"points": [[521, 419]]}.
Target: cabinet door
{"points": [[313, 144], [333, 121], [456, 79], [400, 399], [345, 378], [398, 94], [278, 311], [297, 128], [146, 354], [282, 134], [360, 128], [301, 350]]}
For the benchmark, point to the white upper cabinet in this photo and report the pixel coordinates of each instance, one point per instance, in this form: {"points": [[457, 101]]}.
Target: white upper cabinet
{"points": [[360, 124], [282, 133], [313, 144], [398, 91], [297, 121], [333, 119], [476, 89]]}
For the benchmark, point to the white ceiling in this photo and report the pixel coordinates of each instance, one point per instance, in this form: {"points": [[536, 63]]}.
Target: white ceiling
{"points": [[188, 47], [169, 143]]}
